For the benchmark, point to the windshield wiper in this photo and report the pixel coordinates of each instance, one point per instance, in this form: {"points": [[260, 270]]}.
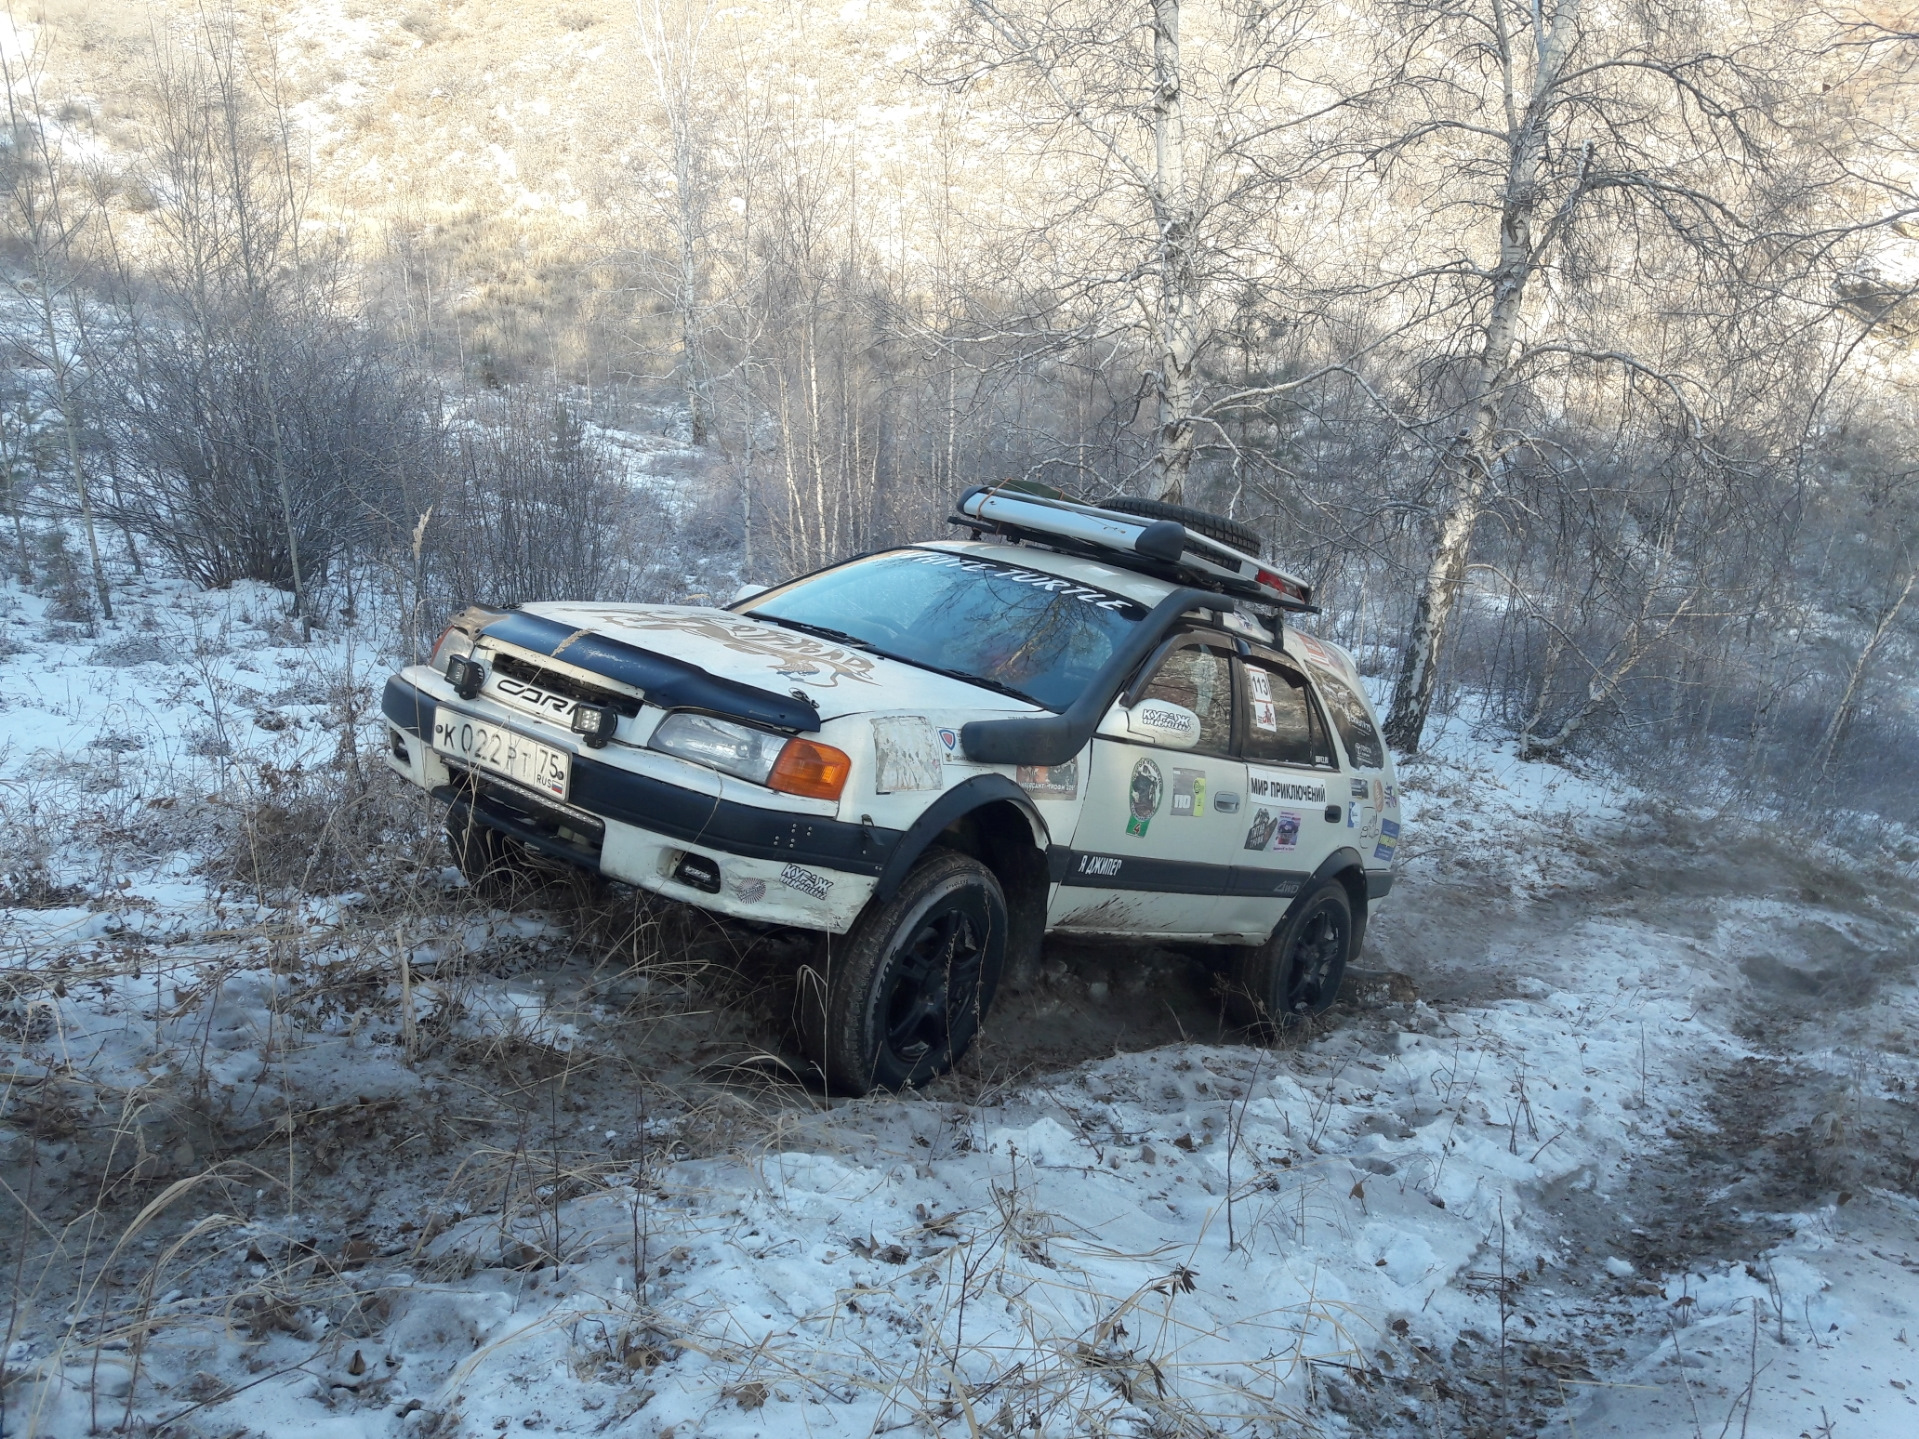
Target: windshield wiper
{"points": [[972, 679], [825, 632]]}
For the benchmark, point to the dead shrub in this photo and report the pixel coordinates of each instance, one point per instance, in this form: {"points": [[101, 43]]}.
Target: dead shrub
{"points": [[320, 831]]}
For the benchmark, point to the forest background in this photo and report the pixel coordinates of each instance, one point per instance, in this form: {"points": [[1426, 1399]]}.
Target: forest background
{"points": [[1566, 348]]}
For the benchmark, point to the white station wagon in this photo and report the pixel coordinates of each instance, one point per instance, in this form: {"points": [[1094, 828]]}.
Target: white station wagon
{"points": [[1082, 720]]}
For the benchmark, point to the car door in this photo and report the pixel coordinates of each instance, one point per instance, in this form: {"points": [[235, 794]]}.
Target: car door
{"points": [[1294, 813], [1154, 847], [1372, 805]]}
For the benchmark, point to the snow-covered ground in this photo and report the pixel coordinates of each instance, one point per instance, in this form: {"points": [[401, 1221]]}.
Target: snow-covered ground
{"points": [[1609, 1139]]}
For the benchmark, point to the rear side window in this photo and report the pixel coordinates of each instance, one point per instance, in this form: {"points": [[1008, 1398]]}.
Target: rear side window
{"points": [[1355, 725], [1200, 678], [1282, 722]]}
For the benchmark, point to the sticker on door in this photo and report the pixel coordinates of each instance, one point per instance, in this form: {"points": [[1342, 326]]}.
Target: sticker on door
{"points": [[1189, 793], [1273, 830], [1143, 797]]}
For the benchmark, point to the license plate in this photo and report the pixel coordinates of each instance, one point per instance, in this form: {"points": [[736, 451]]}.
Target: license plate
{"points": [[538, 766]]}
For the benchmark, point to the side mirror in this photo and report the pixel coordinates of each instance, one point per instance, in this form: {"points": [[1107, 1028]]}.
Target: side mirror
{"points": [[1159, 722], [745, 593]]}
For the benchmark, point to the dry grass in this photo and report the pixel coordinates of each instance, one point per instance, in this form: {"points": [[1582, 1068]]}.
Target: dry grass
{"points": [[170, 1115], [249, 1123]]}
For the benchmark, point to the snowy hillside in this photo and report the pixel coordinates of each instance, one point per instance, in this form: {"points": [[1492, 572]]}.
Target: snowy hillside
{"points": [[313, 1144]]}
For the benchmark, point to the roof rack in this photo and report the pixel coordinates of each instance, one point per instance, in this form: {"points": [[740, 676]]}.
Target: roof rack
{"points": [[1164, 548]]}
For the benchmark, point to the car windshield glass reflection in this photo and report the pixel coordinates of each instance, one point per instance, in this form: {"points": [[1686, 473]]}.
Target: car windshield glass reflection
{"points": [[1035, 635]]}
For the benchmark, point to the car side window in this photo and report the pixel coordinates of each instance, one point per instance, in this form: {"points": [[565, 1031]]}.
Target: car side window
{"points": [[1283, 725], [1200, 677], [1363, 745]]}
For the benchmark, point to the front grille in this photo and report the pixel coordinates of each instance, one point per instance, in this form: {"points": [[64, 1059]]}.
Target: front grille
{"points": [[560, 683]]}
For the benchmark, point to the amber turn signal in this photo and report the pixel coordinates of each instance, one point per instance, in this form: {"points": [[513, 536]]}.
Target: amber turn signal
{"points": [[817, 771]]}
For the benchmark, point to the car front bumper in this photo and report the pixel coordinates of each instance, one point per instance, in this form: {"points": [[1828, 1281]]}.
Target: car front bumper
{"points": [[772, 866]]}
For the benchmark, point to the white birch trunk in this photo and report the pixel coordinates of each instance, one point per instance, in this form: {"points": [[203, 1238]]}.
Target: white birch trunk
{"points": [[1173, 218], [1843, 712], [671, 43], [1469, 461]]}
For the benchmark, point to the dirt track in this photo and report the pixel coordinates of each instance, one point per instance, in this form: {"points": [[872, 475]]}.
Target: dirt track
{"points": [[1808, 970]]}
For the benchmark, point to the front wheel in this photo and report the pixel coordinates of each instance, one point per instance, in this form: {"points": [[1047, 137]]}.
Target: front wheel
{"points": [[900, 998], [495, 867], [1295, 974]]}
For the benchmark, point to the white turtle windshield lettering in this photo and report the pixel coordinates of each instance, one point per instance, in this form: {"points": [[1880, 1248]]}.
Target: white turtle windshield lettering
{"points": [[1036, 636]]}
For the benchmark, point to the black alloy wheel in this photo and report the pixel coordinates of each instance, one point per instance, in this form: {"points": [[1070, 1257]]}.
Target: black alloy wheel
{"points": [[1295, 975], [941, 959], [897, 1001]]}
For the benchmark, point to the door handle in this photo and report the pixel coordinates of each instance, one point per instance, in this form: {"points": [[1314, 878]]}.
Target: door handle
{"points": [[1226, 802], [1335, 813]]}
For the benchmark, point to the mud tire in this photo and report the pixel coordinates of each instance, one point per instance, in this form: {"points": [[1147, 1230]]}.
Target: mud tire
{"points": [[898, 1000], [496, 868], [1295, 975], [1200, 522]]}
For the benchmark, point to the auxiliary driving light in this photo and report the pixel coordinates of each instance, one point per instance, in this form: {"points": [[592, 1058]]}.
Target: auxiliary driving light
{"points": [[465, 675], [698, 872], [595, 722]]}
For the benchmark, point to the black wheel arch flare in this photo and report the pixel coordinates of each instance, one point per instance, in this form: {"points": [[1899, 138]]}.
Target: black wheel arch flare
{"points": [[951, 807], [1345, 865]]}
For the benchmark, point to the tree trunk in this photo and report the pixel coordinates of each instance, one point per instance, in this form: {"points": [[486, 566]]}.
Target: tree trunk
{"points": [[686, 225], [286, 502], [1173, 217], [71, 425], [19, 530], [670, 38], [1603, 687], [1842, 713], [64, 398], [689, 326], [68, 404], [1469, 460]]}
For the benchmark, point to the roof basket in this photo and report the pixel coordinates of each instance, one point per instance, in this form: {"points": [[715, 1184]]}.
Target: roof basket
{"points": [[1132, 542]]}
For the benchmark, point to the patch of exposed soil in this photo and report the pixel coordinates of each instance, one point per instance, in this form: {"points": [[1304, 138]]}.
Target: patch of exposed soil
{"points": [[1806, 1121]]}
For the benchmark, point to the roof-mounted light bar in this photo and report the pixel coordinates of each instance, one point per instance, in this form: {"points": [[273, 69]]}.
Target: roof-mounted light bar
{"points": [[1122, 536]]}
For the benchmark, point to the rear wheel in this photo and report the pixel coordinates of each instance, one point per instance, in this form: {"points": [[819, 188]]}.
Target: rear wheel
{"points": [[1295, 974], [898, 1001], [1200, 522]]}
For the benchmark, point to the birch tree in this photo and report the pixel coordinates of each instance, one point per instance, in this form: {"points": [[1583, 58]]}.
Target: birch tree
{"points": [[46, 223], [673, 37], [1608, 159], [1157, 147]]}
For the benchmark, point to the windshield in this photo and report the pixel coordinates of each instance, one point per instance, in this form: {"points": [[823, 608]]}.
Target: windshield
{"points": [[1036, 635]]}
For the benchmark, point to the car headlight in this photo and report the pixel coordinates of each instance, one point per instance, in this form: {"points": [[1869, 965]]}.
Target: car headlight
{"points": [[795, 766], [719, 744], [452, 641]]}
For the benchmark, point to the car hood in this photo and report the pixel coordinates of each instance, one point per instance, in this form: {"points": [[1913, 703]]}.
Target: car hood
{"points": [[836, 678]]}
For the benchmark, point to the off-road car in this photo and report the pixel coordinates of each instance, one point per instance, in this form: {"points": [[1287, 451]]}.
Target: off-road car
{"points": [[1089, 720]]}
